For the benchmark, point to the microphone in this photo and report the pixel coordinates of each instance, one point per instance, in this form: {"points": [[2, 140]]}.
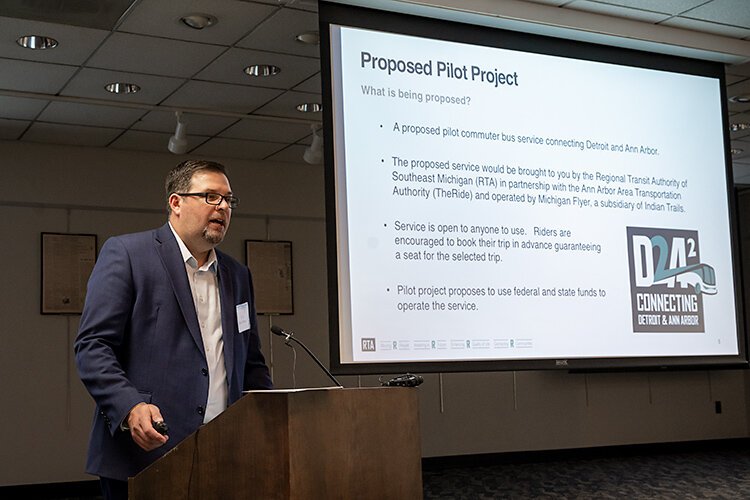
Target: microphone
{"points": [[289, 337], [405, 380]]}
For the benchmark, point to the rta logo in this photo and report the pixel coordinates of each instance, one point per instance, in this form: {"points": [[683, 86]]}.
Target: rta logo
{"points": [[368, 345]]}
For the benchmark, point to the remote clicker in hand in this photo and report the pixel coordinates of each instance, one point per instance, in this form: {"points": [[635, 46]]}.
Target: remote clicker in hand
{"points": [[160, 427]]}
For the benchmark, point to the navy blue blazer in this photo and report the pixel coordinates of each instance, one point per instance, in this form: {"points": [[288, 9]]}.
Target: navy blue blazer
{"points": [[139, 341]]}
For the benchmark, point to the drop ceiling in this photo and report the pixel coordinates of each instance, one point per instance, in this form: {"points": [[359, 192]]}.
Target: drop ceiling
{"points": [[57, 96]]}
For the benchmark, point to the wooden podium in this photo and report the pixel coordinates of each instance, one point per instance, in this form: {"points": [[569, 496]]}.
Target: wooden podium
{"points": [[315, 443]]}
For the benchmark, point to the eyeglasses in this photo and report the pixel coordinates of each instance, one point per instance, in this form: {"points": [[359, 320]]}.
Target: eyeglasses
{"points": [[215, 198]]}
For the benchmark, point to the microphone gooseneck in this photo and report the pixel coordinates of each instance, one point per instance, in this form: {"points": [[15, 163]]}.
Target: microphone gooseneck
{"points": [[289, 337]]}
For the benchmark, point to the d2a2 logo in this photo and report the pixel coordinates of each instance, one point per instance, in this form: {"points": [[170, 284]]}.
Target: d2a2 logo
{"points": [[667, 280]]}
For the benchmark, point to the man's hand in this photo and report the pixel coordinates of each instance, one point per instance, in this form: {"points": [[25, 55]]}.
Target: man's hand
{"points": [[142, 430]]}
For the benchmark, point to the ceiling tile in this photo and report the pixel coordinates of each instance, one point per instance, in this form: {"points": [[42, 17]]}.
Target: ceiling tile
{"points": [[278, 32], [309, 5], [155, 56], [10, 130], [152, 46], [233, 148], [229, 68], [742, 134], [744, 155], [312, 84], [77, 135], [286, 105], [20, 108], [706, 27], [617, 11], [291, 154], [159, 18], [91, 13], [90, 82], [739, 69], [740, 118], [89, 114], [75, 44], [741, 173], [165, 121], [267, 130], [34, 76], [738, 108], [221, 96], [549, 2], [672, 7], [732, 12], [307, 141], [741, 88], [151, 141], [732, 79]]}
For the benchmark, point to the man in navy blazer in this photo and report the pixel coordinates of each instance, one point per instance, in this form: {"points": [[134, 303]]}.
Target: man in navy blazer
{"points": [[168, 331]]}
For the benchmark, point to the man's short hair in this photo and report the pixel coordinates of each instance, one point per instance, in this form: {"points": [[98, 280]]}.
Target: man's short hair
{"points": [[180, 177]]}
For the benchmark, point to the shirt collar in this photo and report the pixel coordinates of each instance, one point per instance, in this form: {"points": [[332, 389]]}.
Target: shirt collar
{"points": [[188, 258]]}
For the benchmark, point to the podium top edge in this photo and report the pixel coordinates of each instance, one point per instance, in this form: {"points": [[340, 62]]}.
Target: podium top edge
{"points": [[303, 389], [313, 389]]}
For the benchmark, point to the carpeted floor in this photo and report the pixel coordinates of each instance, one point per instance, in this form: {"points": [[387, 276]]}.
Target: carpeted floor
{"points": [[715, 470], [678, 475]]}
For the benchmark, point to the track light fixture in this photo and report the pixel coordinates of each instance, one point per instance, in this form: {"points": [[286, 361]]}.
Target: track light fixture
{"points": [[178, 143], [314, 152]]}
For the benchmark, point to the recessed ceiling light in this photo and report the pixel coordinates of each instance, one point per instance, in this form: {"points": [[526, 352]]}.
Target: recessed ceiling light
{"points": [[122, 88], [309, 37], [742, 99], [198, 21], [309, 107], [261, 70], [736, 127], [37, 42], [736, 151]]}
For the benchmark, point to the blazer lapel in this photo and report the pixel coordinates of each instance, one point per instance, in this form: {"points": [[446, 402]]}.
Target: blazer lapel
{"points": [[171, 258], [228, 316]]}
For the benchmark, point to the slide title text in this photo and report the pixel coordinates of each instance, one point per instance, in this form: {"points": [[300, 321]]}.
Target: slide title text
{"points": [[441, 69]]}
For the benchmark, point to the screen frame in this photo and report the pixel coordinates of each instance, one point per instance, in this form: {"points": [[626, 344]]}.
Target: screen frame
{"points": [[451, 31]]}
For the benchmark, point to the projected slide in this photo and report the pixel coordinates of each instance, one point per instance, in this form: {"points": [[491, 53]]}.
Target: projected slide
{"points": [[495, 204]]}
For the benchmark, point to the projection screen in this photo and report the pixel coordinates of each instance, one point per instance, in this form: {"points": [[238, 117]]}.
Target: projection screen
{"points": [[498, 200]]}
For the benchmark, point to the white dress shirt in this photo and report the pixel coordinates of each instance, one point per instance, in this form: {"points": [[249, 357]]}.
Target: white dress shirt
{"points": [[204, 285]]}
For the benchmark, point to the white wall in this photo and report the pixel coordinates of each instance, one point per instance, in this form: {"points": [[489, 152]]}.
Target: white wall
{"points": [[46, 414]]}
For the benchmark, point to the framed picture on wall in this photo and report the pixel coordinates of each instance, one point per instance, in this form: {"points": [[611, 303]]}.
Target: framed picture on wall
{"points": [[271, 265], [67, 262]]}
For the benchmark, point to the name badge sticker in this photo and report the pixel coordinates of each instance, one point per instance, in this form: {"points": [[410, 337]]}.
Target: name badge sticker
{"points": [[243, 317]]}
